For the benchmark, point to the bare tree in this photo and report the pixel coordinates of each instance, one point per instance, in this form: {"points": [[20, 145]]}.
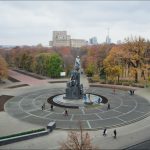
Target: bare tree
{"points": [[77, 140]]}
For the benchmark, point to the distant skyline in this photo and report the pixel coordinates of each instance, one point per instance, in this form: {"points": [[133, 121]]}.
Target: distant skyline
{"points": [[32, 22]]}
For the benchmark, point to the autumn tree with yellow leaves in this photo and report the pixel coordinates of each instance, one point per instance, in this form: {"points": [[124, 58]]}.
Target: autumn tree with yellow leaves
{"points": [[3, 68], [112, 64], [127, 60]]}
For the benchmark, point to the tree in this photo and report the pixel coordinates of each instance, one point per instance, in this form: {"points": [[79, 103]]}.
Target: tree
{"points": [[55, 65], [39, 64], [135, 48], [3, 68], [90, 69], [95, 57], [112, 63], [77, 140]]}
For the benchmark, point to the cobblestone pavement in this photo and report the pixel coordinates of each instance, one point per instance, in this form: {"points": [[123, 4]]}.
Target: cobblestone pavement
{"points": [[125, 109]]}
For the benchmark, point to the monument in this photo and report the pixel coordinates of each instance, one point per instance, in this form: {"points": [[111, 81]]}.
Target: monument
{"points": [[74, 89]]}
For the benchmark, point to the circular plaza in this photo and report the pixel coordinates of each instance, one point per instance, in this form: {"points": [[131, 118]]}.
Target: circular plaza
{"points": [[124, 109]]}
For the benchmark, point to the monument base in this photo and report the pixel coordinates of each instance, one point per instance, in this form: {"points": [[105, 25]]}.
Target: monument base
{"points": [[73, 92]]}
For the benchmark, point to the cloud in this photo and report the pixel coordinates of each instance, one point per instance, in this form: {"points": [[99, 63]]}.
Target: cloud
{"points": [[32, 22]]}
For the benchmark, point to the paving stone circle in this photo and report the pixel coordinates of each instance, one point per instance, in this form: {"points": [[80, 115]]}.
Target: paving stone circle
{"points": [[125, 109]]}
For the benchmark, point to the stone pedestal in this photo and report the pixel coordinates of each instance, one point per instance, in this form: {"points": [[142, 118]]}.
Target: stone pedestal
{"points": [[74, 92], [74, 89]]}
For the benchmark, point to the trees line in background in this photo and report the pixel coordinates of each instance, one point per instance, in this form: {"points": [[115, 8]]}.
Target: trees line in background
{"points": [[129, 60], [41, 60]]}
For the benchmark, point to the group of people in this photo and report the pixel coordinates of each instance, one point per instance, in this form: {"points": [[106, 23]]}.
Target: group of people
{"points": [[43, 107], [114, 132], [52, 108], [131, 92]]}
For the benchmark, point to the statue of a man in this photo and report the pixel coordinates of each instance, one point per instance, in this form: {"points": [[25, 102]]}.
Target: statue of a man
{"points": [[77, 63]]}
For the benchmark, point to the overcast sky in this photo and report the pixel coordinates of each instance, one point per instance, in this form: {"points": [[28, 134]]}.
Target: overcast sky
{"points": [[32, 22]]}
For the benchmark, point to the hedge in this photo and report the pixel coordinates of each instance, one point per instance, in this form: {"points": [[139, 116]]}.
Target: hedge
{"points": [[22, 133]]}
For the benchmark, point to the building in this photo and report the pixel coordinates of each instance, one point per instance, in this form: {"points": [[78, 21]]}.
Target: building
{"points": [[78, 43], [93, 41], [60, 39], [108, 39]]}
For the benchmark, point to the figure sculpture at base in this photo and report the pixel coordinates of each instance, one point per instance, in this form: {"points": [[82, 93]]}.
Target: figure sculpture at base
{"points": [[74, 89]]}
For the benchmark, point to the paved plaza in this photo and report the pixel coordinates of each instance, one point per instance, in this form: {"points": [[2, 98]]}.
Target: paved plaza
{"points": [[125, 109], [128, 114]]}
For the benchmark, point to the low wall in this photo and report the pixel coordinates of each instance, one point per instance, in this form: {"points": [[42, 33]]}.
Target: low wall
{"points": [[50, 127], [22, 137], [120, 87]]}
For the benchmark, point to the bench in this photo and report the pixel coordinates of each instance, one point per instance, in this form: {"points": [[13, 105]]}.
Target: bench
{"points": [[51, 126]]}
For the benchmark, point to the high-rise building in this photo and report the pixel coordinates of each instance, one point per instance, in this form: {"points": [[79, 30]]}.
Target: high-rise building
{"points": [[93, 41], [60, 38], [108, 39]]}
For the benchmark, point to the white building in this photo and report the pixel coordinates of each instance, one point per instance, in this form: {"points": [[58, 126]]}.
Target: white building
{"points": [[78, 43], [60, 38]]}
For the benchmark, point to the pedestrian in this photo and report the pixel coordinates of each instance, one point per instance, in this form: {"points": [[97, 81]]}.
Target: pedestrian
{"points": [[99, 100], [132, 92], [51, 107], [115, 134], [105, 132], [108, 106], [89, 96], [66, 112], [42, 107]]}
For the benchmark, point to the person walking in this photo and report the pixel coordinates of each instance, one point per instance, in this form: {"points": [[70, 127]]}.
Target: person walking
{"points": [[42, 108], [89, 97], [115, 134], [105, 132], [51, 107], [66, 112], [108, 106]]}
